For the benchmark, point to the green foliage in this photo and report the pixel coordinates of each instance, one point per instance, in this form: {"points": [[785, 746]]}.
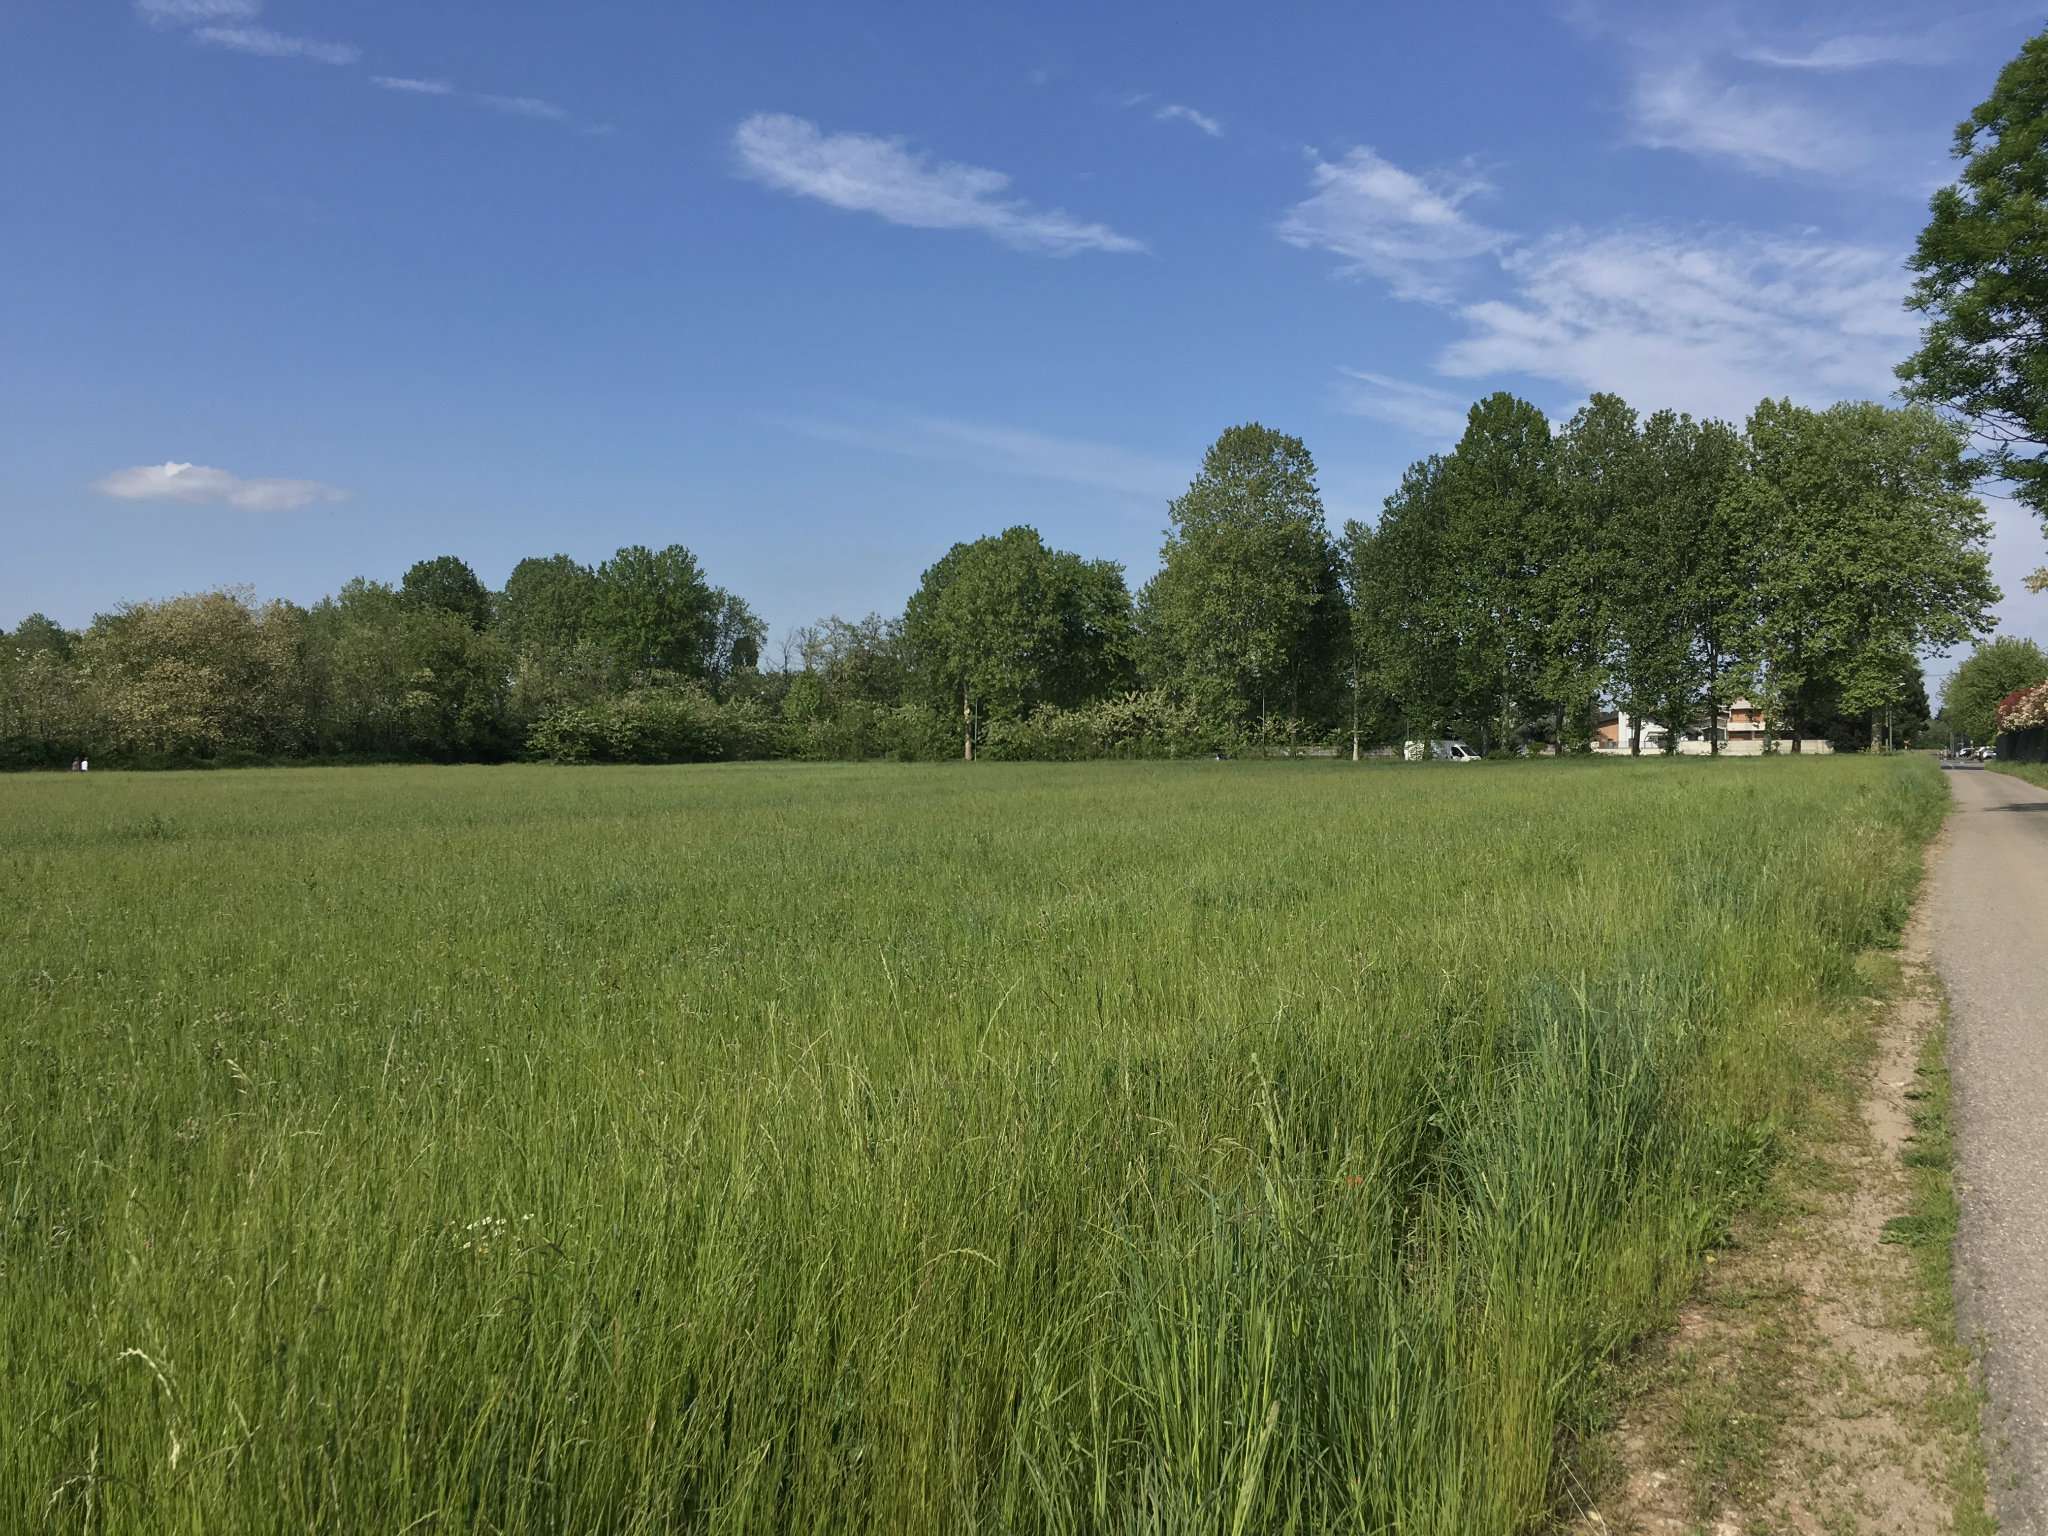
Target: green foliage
{"points": [[659, 721], [1246, 616], [1969, 699], [1002, 625], [736, 640], [840, 1149], [408, 680], [1982, 285], [1504, 533], [196, 677], [1869, 550], [861, 729], [1679, 574], [446, 584], [853, 663], [655, 612], [1508, 591], [39, 634], [1149, 724], [549, 605], [1404, 610]]}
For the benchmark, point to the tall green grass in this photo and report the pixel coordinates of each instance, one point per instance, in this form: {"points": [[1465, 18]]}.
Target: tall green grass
{"points": [[1200, 1147], [2033, 773]]}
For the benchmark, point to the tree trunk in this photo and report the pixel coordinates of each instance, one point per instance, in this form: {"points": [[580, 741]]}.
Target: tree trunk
{"points": [[966, 725], [1557, 730], [1635, 735], [1876, 732]]}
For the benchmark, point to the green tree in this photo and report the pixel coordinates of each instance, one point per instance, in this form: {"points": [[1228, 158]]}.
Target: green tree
{"points": [[1246, 617], [448, 584], [1969, 699], [1983, 283], [655, 611], [1680, 576], [855, 662], [1407, 639], [39, 634], [735, 644], [43, 717], [1870, 551], [408, 679], [199, 676], [1605, 577], [1002, 625], [1507, 528], [548, 605]]}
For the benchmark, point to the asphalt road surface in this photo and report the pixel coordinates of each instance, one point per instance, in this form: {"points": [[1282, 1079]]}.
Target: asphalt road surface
{"points": [[1989, 924]]}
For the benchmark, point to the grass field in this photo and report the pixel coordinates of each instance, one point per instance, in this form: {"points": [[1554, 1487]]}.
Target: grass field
{"points": [[1225, 1147]]}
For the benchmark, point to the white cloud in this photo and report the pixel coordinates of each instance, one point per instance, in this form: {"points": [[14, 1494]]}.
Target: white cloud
{"points": [[1417, 408], [534, 107], [1683, 109], [1407, 230], [276, 45], [411, 86], [866, 174], [198, 485], [179, 13], [525, 106], [1175, 113], [1007, 450], [1855, 51], [1709, 321]]}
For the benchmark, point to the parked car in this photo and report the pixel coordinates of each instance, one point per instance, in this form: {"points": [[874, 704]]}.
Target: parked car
{"points": [[1438, 751]]}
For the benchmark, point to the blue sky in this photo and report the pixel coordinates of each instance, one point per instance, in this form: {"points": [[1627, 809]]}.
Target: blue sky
{"points": [[818, 290]]}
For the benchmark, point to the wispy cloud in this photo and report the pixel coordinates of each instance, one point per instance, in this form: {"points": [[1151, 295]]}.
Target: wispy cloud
{"points": [[226, 24], [267, 44], [524, 106], [1859, 50], [1417, 408], [1409, 231], [198, 485], [1006, 450], [412, 87], [885, 177], [536, 108], [276, 45], [180, 13], [1176, 113], [223, 24], [1684, 108], [1707, 320]]}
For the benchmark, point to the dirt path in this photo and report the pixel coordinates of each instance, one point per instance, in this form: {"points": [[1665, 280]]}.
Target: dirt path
{"points": [[1988, 910], [1813, 1384]]}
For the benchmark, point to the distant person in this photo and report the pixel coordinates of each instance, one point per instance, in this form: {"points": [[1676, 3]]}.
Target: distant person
{"points": [[74, 765], [84, 766]]}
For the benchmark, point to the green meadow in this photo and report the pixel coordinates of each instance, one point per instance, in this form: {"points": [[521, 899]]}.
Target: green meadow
{"points": [[1204, 1146]]}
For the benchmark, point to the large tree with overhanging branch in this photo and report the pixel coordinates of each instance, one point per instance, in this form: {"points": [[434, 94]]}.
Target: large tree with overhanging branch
{"points": [[1983, 284]]}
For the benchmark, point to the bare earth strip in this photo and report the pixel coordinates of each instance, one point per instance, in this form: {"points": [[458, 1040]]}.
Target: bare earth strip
{"points": [[1814, 1384], [1988, 907]]}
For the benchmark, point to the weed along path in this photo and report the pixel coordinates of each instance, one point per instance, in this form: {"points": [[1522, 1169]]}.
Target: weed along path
{"points": [[1989, 909]]}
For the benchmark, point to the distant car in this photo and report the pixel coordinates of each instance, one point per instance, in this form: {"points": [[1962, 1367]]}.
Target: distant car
{"points": [[1438, 751], [1986, 754]]}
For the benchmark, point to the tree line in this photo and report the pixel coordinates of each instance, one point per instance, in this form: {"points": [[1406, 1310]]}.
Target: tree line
{"points": [[1511, 591]]}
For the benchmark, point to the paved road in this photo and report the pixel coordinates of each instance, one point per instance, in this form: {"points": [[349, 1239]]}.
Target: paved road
{"points": [[1989, 911]]}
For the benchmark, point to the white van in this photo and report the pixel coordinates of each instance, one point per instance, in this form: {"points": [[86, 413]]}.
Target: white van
{"points": [[1438, 751]]}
